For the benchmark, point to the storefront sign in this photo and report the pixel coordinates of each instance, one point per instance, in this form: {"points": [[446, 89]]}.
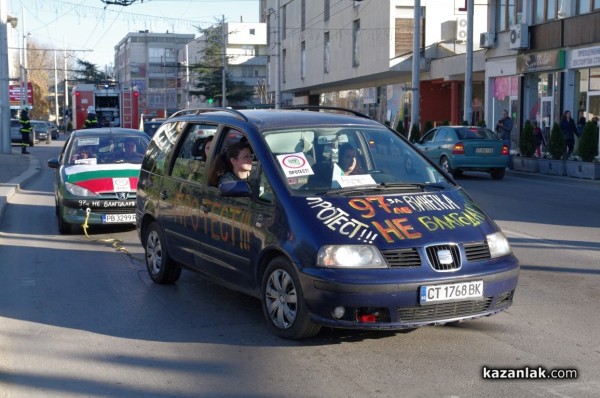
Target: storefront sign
{"points": [[537, 62], [585, 57]]}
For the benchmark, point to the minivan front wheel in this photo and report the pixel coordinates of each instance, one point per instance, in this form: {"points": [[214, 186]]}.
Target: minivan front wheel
{"points": [[283, 302], [160, 267]]}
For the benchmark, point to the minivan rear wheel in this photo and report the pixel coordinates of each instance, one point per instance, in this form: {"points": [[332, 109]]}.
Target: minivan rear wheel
{"points": [[283, 302], [161, 268]]}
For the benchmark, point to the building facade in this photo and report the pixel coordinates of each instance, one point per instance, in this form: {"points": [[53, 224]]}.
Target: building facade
{"points": [[543, 59], [358, 54], [246, 58], [149, 61]]}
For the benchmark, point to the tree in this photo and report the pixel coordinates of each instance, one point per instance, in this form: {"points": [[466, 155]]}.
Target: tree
{"points": [[209, 81], [88, 72], [527, 141], [39, 63]]}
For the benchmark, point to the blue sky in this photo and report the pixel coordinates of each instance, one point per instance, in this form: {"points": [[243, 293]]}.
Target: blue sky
{"points": [[91, 29]]}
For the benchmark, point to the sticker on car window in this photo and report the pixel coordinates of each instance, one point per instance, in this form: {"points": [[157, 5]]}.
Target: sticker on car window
{"points": [[295, 164], [88, 141]]}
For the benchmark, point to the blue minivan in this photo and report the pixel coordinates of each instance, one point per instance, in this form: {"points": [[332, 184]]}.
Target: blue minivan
{"points": [[338, 221]]}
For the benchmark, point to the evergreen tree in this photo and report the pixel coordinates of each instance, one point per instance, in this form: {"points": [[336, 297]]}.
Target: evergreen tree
{"points": [[556, 144], [88, 72], [415, 133], [209, 81], [400, 128], [527, 141], [588, 142], [428, 126]]}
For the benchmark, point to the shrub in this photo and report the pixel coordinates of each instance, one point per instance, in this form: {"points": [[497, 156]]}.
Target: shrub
{"points": [[556, 144], [588, 142], [527, 141], [415, 133], [400, 128], [481, 123]]}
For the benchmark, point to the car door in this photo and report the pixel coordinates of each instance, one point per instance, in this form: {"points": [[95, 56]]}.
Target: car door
{"points": [[182, 193], [230, 224]]}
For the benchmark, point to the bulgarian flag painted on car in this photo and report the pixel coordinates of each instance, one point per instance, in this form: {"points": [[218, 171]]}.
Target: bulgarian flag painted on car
{"points": [[103, 178]]}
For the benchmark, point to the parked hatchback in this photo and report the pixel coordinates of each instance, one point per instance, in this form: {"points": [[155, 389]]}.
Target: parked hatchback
{"points": [[461, 148], [340, 223]]}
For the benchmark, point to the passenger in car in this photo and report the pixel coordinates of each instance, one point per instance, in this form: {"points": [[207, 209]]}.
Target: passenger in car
{"points": [[233, 165], [348, 160]]}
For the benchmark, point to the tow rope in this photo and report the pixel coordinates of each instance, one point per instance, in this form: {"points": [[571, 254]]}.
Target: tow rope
{"points": [[115, 243]]}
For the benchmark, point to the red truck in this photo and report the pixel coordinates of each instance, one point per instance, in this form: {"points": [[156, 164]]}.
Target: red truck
{"points": [[114, 105]]}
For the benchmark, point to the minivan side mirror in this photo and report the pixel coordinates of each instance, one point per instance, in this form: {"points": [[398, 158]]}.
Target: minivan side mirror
{"points": [[235, 189]]}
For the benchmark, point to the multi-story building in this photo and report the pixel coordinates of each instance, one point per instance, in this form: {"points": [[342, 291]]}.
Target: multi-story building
{"points": [[543, 59], [245, 47], [148, 61], [358, 54]]}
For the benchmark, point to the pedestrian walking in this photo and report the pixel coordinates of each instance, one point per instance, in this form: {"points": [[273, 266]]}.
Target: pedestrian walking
{"points": [[25, 131], [569, 130], [504, 129], [539, 138]]}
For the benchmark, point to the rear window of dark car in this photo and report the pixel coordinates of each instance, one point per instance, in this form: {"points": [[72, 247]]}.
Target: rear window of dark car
{"points": [[475, 134]]}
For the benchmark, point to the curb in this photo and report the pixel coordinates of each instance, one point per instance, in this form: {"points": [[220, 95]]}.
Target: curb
{"points": [[8, 189]]}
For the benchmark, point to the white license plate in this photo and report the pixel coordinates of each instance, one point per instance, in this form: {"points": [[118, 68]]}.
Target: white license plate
{"points": [[484, 150], [113, 218], [450, 292]]}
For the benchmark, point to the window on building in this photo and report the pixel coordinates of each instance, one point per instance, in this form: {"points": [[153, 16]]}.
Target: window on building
{"points": [[508, 13], [547, 10], [596, 4], [326, 52], [283, 22], [303, 60], [355, 41], [326, 4], [283, 61], [302, 14], [253, 32]]}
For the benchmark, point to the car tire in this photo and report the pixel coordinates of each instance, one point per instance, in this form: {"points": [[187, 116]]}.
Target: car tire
{"points": [[64, 227], [161, 268], [498, 174], [283, 303]]}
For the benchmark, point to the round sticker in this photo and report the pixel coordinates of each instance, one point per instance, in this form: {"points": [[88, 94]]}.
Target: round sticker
{"points": [[293, 161]]}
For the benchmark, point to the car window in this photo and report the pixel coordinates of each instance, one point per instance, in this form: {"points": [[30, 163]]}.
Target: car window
{"points": [[117, 148], [190, 162], [442, 135], [161, 146], [429, 136], [346, 157], [475, 134]]}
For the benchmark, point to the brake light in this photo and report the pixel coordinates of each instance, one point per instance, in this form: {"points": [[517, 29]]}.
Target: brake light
{"points": [[458, 149], [505, 149]]}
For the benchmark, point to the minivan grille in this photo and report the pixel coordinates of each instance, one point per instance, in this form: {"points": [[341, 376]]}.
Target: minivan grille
{"points": [[443, 263], [443, 311], [402, 258], [477, 251]]}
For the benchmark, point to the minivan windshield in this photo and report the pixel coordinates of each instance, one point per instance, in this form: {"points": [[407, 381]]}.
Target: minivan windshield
{"points": [[334, 158]]}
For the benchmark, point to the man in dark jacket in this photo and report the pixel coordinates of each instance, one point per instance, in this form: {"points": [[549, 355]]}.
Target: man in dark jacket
{"points": [[504, 129], [25, 131]]}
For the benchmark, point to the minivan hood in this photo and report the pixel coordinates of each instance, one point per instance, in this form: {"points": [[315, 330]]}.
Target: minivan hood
{"points": [[395, 220]]}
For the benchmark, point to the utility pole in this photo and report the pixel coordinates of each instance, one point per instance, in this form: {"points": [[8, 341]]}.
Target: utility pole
{"points": [[65, 119], [224, 51], [56, 88], [469, 71], [416, 98], [278, 55], [4, 97]]}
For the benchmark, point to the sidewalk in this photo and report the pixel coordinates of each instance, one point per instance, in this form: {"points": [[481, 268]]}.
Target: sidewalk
{"points": [[15, 169]]}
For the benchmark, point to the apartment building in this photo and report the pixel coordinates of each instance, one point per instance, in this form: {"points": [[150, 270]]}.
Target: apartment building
{"points": [[149, 61], [358, 54], [542, 59], [246, 56]]}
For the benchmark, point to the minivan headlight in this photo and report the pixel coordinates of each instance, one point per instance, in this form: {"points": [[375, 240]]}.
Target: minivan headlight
{"points": [[498, 244], [350, 256]]}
